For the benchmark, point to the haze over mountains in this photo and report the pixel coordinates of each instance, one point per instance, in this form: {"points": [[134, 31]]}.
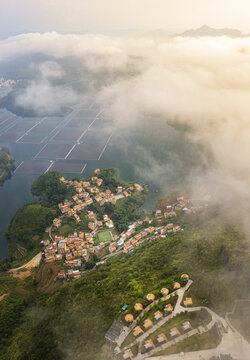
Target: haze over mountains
{"points": [[206, 30]]}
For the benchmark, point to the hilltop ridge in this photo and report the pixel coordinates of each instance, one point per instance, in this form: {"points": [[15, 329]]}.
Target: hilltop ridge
{"points": [[206, 30]]}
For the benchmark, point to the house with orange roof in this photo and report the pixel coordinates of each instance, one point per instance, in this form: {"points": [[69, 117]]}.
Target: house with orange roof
{"points": [[164, 291], [138, 307], [174, 332], [127, 354], [137, 331], [161, 338], [168, 308], [158, 315], [149, 344], [176, 229], [150, 297], [81, 234], [186, 326], [188, 301], [170, 214], [99, 182], [147, 323], [177, 285]]}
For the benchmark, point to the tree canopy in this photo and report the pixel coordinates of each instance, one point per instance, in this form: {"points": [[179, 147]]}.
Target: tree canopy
{"points": [[6, 163], [30, 220], [48, 187]]}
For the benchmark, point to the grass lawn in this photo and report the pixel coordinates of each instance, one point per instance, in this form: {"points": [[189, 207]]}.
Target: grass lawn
{"points": [[134, 350], [196, 318], [65, 229], [174, 322], [208, 340], [129, 339], [104, 236]]}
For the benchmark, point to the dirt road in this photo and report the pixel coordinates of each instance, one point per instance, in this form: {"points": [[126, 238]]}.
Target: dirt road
{"points": [[29, 265]]}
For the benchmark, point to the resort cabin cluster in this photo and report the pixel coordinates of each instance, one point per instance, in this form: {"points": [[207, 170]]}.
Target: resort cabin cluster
{"points": [[161, 338], [140, 326]]}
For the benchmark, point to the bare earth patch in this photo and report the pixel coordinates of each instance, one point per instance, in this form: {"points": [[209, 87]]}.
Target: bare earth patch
{"points": [[3, 296], [22, 275], [34, 262], [45, 278], [108, 353]]}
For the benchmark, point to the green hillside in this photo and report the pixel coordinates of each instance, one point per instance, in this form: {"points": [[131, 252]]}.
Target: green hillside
{"points": [[71, 322]]}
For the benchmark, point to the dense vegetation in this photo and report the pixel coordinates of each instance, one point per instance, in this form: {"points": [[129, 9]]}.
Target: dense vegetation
{"points": [[26, 227], [110, 179], [49, 188], [71, 322], [6, 163], [124, 212]]}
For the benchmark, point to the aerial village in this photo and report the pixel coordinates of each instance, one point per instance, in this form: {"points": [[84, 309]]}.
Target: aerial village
{"points": [[102, 239]]}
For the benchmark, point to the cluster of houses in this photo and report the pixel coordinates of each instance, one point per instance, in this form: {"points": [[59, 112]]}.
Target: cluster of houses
{"points": [[79, 245], [182, 204], [6, 82], [129, 245], [73, 248], [87, 192], [160, 338], [128, 240], [70, 247], [158, 315]]}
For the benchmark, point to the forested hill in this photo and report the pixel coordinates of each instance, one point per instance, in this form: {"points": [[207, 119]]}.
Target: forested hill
{"points": [[71, 322], [6, 163]]}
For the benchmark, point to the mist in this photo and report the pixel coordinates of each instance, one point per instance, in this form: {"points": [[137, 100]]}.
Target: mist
{"points": [[42, 95], [200, 84]]}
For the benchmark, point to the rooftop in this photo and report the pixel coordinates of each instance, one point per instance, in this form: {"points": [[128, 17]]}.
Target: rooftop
{"points": [[138, 307], [114, 331]]}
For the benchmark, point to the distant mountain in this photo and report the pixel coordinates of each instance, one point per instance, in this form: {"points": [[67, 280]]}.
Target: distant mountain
{"points": [[208, 31]]}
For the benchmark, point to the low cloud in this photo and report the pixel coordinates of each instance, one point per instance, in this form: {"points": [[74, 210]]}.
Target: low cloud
{"points": [[42, 95], [201, 84]]}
